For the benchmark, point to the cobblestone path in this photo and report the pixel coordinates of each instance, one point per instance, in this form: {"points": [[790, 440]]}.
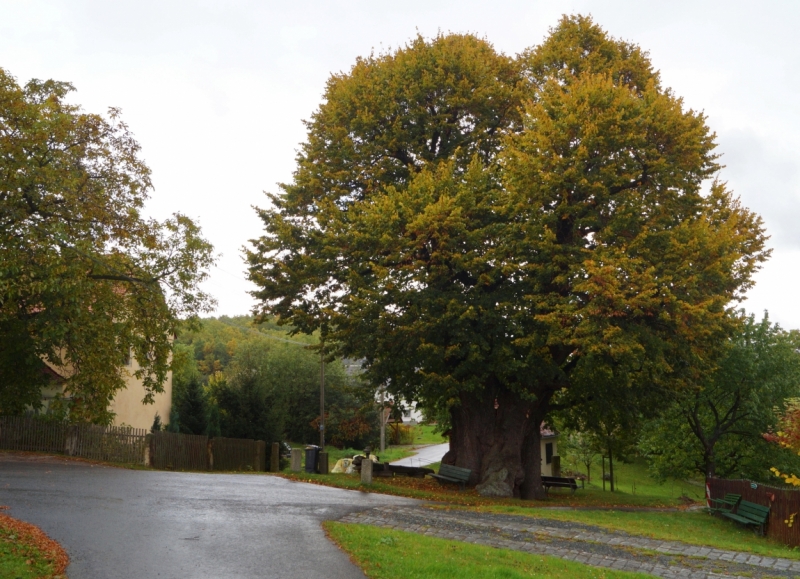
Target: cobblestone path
{"points": [[578, 542]]}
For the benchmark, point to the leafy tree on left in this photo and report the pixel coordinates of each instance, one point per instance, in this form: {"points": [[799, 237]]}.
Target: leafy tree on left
{"points": [[85, 279]]}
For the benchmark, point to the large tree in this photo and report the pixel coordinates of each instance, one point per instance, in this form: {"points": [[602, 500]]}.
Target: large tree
{"points": [[487, 232], [85, 278]]}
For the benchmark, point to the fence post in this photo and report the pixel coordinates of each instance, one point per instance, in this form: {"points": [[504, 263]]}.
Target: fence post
{"points": [[261, 456], [70, 440], [297, 458], [366, 472], [148, 453], [275, 458], [210, 454], [322, 465]]}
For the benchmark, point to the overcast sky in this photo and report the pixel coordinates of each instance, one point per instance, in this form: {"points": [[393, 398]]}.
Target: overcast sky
{"points": [[215, 92]]}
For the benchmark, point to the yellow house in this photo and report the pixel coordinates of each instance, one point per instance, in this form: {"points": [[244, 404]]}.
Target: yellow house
{"points": [[127, 403], [549, 449]]}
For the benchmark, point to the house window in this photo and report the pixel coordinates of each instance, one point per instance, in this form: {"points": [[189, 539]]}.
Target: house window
{"points": [[548, 453]]}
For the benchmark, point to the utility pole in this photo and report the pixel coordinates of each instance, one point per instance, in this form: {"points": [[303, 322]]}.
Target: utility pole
{"points": [[383, 420], [321, 401]]}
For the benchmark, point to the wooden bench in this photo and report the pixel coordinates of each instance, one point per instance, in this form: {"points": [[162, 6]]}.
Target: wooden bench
{"points": [[749, 514], [453, 474], [725, 505], [559, 482]]}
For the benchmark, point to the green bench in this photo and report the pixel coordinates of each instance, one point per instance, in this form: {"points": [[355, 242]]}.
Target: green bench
{"points": [[453, 474], [749, 514], [726, 504], [559, 482]]}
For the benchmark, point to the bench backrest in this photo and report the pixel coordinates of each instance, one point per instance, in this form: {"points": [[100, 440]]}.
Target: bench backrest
{"points": [[559, 479], [752, 511], [455, 472], [732, 498]]}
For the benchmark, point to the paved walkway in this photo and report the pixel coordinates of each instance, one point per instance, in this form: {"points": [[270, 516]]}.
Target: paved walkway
{"points": [[425, 455], [578, 542], [130, 524]]}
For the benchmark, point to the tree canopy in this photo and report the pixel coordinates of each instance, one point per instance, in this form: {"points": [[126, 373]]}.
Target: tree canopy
{"points": [[258, 384], [85, 278], [489, 233], [717, 428]]}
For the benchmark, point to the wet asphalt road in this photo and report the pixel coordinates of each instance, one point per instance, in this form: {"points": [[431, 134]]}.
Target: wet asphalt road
{"points": [[126, 524]]}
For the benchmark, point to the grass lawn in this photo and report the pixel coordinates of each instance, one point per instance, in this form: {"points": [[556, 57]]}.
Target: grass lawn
{"points": [[697, 528], [424, 434], [388, 554], [387, 455], [429, 489], [634, 479], [635, 486], [26, 552]]}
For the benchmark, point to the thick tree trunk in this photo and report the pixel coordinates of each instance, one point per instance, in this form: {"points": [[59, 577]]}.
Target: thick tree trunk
{"points": [[487, 435], [496, 435]]}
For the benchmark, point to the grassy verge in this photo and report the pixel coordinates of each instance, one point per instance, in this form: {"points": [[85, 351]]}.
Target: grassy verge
{"points": [[424, 434], [428, 489], [26, 552], [696, 528], [634, 478], [387, 554], [636, 488]]}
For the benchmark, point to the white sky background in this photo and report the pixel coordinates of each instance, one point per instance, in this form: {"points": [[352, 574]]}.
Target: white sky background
{"points": [[215, 92]]}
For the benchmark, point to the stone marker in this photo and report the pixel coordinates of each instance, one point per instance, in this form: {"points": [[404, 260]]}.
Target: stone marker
{"points": [[297, 459], [275, 458], [366, 472], [322, 465]]}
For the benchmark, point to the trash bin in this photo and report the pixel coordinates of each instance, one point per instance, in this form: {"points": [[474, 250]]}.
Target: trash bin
{"points": [[312, 457]]}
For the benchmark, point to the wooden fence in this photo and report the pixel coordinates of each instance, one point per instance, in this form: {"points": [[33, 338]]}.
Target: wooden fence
{"points": [[238, 454], [172, 451], [162, 450], [783, 503], [109, 443]]}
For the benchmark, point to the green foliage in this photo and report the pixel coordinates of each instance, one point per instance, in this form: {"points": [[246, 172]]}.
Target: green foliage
{"points": [[582, 449], [400, 434], [157, 425], [481, 229], [251, 403], [717, 427], [193, 409], [256, 382], [24, 373], [85, 279], [174, 424]]}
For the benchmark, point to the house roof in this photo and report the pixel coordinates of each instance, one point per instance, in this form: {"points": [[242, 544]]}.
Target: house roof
{"points": [[546, 432]]}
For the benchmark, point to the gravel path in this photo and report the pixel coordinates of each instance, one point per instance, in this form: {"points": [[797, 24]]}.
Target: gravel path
{"points": [[578, 542]]}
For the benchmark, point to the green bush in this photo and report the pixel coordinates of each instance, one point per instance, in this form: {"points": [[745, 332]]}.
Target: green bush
{"points": [[401, 434]]}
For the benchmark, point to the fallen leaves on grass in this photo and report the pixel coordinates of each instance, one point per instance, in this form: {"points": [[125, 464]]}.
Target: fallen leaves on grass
{"points": [[30, 540], [429, 489]]}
